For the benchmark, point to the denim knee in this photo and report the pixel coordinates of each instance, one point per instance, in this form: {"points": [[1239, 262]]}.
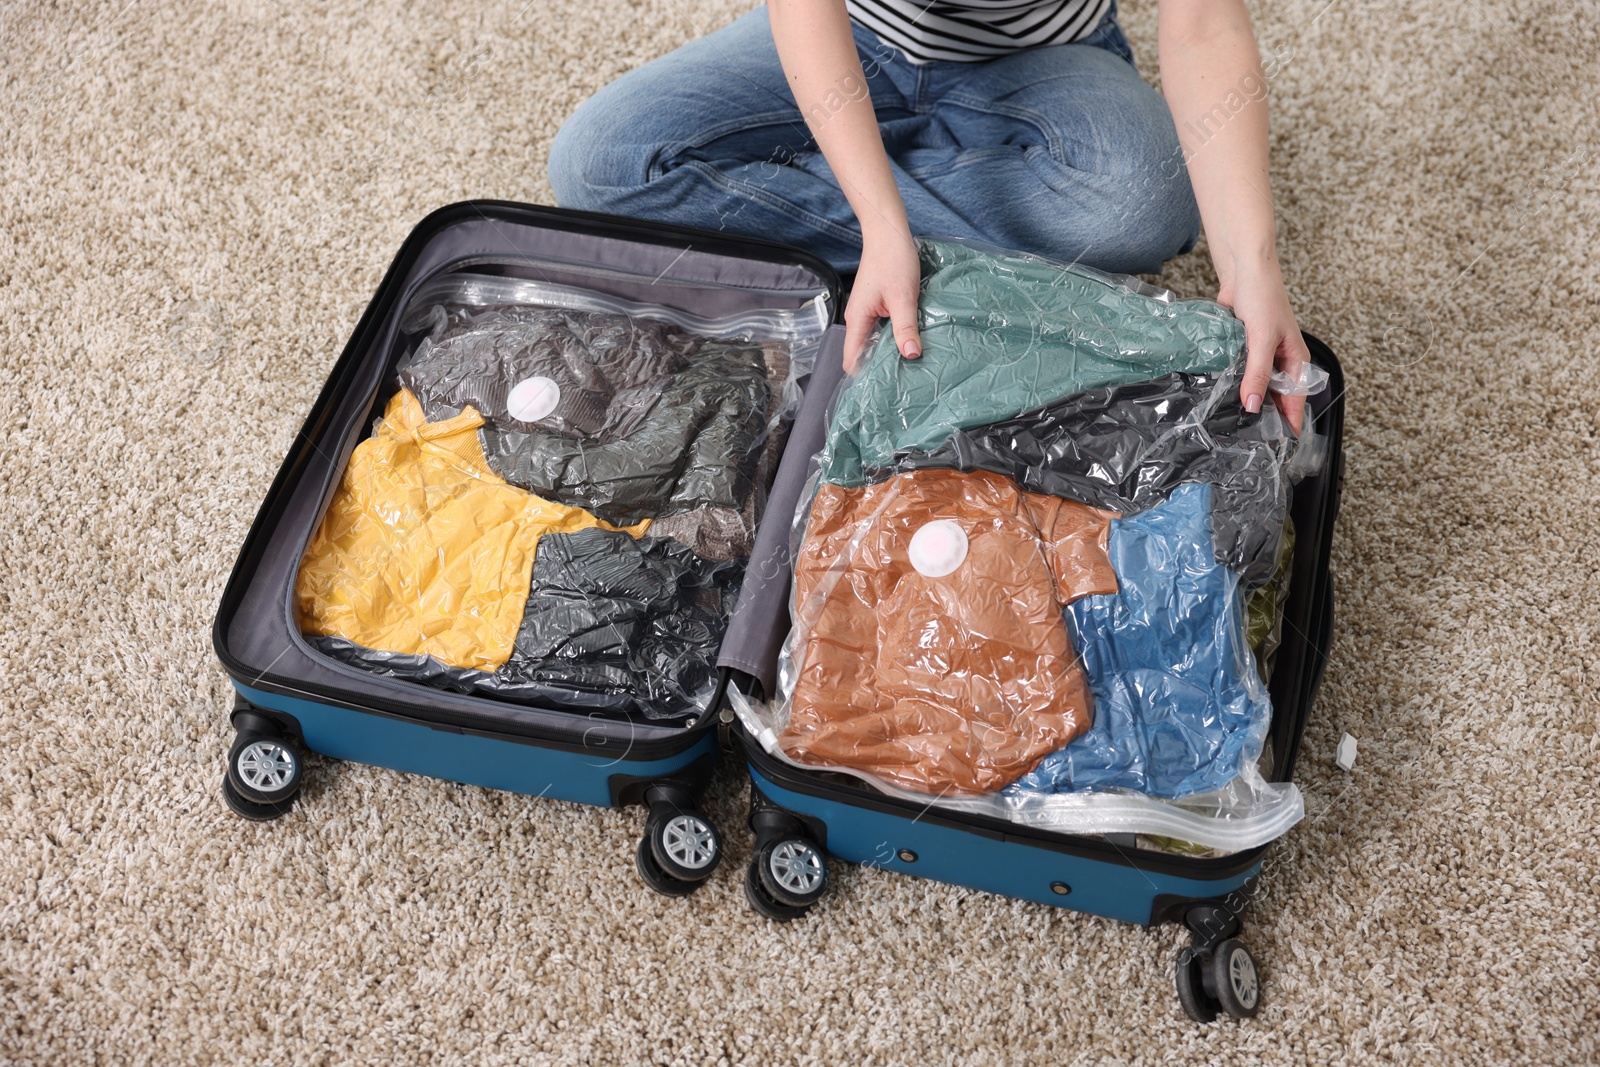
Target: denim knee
{"points": [[565, 169], [1159, 219], [588, 168]]}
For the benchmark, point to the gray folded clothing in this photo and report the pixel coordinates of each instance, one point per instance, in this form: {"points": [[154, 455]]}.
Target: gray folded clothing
{"points": [[1126, 447], [584, 375], [627, 418], [609, 614], [613, 626], [697, 447]]}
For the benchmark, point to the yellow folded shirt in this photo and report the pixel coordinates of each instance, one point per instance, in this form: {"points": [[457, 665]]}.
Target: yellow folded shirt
{"points": [[424, 549]]}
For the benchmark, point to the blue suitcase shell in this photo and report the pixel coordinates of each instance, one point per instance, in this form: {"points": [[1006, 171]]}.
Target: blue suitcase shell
{"points": [[800, 817], [291, 700]]}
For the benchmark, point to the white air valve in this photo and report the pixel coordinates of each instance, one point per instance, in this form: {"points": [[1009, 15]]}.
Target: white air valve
{"points": [[938, 548], [533, 399], [1345, 754]]}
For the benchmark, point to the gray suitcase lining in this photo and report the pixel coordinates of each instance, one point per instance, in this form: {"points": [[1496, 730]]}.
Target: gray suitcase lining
{"points": [[263, 633]]}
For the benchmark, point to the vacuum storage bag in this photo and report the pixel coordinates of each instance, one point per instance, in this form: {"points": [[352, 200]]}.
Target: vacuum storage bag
{"points": [[557, 504], [1028, 560]]}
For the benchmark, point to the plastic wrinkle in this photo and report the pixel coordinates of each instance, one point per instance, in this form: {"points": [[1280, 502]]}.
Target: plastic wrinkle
{"points": [[1126, 447], [1300, 378], [712, 533], [1075, 387], [960, 681], [1179, 706], [1006, 334]]}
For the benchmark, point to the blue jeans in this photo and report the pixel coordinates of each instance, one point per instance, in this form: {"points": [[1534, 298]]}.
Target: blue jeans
{"points": [[1063, 151]]}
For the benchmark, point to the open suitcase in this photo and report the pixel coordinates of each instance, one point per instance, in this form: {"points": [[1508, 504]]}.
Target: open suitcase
{"points": [[801, 815], [292, 698]]}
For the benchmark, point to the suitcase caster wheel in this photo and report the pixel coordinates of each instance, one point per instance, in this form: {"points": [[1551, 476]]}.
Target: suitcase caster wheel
{"points": [[263, 769], [792, 871], [249, 809], [1222, 980], [685, 846], [1234, 979], [1191, 987], [650, 872], [762, 901]]}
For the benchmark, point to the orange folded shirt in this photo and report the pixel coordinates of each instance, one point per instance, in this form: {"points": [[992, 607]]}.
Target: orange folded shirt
{"points": [[957, 683], [424, 548]]}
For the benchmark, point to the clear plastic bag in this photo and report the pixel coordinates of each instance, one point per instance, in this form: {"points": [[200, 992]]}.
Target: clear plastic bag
{"points": [[929, 645], [627, 409], [797, 331], [1013, 332], [613, 625], [469, 290], [496, 534], [1020, 580]]}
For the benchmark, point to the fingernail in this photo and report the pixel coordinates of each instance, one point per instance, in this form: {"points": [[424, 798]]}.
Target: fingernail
{"points": [[1252, 403], [911, 350]]}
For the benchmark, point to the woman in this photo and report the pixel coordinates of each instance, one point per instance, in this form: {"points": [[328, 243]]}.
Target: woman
{"points": [[848, 126]]}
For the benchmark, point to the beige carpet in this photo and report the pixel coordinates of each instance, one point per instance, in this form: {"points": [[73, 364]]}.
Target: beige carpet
{"points": [[197, 201]]}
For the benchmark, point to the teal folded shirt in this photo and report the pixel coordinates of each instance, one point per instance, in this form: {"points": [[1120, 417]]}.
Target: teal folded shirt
{"points": [[1002, 334]]}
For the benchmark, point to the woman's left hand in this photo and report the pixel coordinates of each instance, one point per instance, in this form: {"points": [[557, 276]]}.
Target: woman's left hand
{"points": [[1272, 338]]}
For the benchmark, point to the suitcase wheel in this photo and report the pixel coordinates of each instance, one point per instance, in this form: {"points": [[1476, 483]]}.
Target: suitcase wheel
{"points": [[786, 877], [652, 875], [680, 848], [1221, 980], [263, 775], [684, 844], [762, 901], [248, 809]]}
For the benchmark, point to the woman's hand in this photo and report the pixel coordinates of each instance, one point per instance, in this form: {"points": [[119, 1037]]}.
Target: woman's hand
{"points": [[1256, 294], [1209, 55], [886, 287], [818, 51]]}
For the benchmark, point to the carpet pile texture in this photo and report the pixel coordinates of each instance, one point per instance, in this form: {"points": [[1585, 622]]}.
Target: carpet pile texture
{"points": [[196, 201]]}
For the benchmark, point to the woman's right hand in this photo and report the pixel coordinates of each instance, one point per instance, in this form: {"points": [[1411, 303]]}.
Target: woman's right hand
{"points": [[818, 51], [886, 287]]}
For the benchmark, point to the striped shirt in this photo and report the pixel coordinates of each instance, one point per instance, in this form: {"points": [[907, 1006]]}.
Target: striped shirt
{"points": [[966, 31]]}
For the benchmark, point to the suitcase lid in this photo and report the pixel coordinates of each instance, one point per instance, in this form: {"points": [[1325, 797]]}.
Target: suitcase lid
{"points": [[254, 635]]}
